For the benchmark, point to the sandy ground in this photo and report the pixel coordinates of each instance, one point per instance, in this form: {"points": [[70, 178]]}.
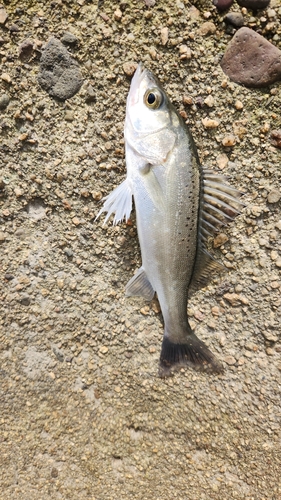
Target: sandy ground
{"points": [[83, 414]]}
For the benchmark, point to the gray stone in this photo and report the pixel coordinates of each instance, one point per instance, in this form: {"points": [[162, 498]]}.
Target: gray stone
{"points": [[234, 18], [251, 60], [4, 101], [59, 73], [26, 49], [69, 39]]}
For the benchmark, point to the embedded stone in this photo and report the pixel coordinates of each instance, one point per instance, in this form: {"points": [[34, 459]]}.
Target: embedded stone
{"points": [[251, 60]]}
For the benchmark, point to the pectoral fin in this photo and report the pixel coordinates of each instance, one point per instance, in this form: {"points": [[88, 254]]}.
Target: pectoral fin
{"points": [[119, 201], [140, 285], [154, 189]]}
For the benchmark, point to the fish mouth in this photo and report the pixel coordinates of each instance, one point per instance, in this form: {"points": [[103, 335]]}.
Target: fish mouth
{"points": [[137, 84]]}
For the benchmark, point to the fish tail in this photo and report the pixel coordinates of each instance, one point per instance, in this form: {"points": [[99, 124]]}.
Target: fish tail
{"points": [[192, 353]]}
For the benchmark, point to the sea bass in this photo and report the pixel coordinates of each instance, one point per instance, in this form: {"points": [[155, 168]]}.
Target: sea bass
{"points": [[179, 204]]}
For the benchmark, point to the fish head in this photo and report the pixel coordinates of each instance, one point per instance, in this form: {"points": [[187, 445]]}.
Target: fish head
{"points": [[150, 117]]}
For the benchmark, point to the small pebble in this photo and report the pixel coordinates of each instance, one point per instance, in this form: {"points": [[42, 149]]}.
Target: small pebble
{"points": [[103, 349], [229, 141], [209, 101], [69, 115], [187, 100], [90, 95], [222, 161], [69, 39], [274, 196], [185, 52], [26, 49], [118, 15], [238, 105], [6, 78], [219, 240], [276, 138], [129, 68], [3, 15], [209, 123], [207, 28], [4, 101], [234, 18], [230, 360], [164, 35]]}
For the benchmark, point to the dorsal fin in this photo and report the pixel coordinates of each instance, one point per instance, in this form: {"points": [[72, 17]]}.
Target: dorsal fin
{"points": [[205, 267], [219, 205]]}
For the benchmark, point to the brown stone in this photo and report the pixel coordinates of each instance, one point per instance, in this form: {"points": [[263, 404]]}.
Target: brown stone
{"points": [[3, 15], [251, 60]]}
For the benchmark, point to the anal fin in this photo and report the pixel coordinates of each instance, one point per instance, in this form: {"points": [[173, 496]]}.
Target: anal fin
{"points": [[139, 285]]}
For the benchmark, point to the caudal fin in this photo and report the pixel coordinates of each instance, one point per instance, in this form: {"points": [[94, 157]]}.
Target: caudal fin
{"points": [[193, 353]]}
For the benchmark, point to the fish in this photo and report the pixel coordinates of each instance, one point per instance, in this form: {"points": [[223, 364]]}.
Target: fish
{"points": [[179, 204]]}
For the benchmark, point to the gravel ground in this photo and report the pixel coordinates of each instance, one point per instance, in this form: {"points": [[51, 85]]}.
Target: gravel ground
{"points": [[83, 413]]}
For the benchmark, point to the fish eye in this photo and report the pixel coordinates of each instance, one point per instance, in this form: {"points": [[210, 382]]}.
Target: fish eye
{"points": [[153, 98]]}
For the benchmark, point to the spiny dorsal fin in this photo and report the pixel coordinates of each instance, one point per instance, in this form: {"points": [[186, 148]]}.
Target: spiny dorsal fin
{"points": [[205, 267], [139, 285], [220, 203]]}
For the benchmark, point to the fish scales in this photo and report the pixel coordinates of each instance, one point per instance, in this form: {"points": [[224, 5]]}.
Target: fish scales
{"points": [[175, 203]]}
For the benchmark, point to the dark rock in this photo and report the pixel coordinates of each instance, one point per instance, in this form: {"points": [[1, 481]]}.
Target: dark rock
{"points": [[68, 252], [69, 38], [9, 277], [234, 18], [26, 50], [90, 94], [222, 4], [59, 73], [254, 4], [4, 101], [25, 300], [251, 60], [14, 28], [276, 138]]}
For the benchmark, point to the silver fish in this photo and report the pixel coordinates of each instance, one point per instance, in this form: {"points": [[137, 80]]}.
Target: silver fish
{"points": [[178, 205]]}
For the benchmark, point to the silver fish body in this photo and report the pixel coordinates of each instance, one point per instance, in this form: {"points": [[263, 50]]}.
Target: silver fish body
{"points": [[177, 206]]}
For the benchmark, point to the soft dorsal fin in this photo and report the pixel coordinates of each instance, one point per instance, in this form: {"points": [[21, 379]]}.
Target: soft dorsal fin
{"points": [[220, 203], [205, 267]]}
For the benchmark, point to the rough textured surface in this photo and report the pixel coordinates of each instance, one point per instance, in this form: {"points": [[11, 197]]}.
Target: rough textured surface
{"points": [[251, 60], [59, 72], [83, 414]]}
